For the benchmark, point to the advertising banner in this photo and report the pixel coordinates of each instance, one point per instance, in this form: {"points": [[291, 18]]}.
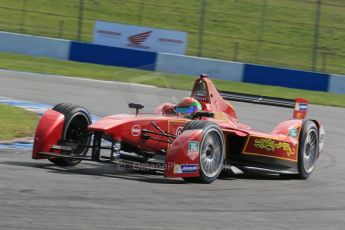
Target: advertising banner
{"points": [[140, 38]]}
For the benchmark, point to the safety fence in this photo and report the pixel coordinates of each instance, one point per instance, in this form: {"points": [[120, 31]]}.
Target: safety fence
{"points": [[303, 34]]}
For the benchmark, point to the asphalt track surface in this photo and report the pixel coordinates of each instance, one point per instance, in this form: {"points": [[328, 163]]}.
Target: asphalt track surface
{"points": [[38, 195]]}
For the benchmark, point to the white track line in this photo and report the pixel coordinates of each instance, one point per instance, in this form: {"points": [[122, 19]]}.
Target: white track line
{"points": [[77, 78]]}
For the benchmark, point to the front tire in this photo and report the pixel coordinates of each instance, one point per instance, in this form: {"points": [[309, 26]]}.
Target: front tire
{"points": [[211, 153], [77, 120]]}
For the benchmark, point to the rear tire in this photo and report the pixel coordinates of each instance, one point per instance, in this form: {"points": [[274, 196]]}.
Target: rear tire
{"points": [[77, 120], [211, 152], [308, 149]]}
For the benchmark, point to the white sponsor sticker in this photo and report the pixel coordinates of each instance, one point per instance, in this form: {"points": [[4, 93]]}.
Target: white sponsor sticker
{"points": [[177, 168], [136, 130], [185, 168]]}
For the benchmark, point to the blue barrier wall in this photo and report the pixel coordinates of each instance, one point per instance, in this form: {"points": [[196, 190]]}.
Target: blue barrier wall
{"points": [[105, 55], [34, 45], [227, 70], [180, 64], [291, 78]]}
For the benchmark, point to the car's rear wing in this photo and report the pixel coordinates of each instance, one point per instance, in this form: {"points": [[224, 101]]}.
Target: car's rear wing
{"points": [[300, 105]]}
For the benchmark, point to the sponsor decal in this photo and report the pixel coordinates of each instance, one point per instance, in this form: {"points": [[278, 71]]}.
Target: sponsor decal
{"points": [[117, 146], [301, 106], [177, 168], [170, 40], [193, 145], [136, 130], [270, 145], [109, 33], [137, 39], [179, 130], [201, 98], [220, 116], [188, 168], [299, 115], [293, 132], [185, 168], [193, 149]]}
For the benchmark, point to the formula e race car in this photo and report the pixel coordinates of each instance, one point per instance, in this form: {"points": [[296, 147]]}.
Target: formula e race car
{"points": [[192, 142]]}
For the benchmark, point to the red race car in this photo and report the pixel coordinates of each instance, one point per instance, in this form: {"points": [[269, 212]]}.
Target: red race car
{"points": [[193, 140]]}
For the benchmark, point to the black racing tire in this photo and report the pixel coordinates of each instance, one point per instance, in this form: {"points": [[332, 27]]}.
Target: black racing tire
{"points": [[211, 152], [195, 124], [77, 120], [308, 149]]}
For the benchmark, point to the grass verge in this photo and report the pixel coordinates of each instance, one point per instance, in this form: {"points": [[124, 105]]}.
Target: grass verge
{"points": [[93, 71], [16, 123]]}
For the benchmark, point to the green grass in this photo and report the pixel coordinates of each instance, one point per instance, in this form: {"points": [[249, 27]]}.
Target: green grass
{"points": [[16, 123], [280, 34], [86, 70]]}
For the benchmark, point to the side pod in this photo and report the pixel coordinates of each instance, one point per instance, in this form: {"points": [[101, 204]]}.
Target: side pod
{"points": [[182, 158], [48, 132]]}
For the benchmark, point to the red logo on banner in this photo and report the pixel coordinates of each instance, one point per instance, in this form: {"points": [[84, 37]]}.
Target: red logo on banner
{"points": [[139, 38]]}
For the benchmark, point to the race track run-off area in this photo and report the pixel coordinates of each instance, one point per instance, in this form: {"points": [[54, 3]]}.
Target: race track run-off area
{"points": [[39, 195]]}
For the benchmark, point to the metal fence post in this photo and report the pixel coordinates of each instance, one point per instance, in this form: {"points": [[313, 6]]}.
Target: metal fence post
{"points": [[236, 47], [61, 25], [22, 21], [324, 61], [201, 26], [80, 22], [141, 12], [261, 31], [316, 35]]}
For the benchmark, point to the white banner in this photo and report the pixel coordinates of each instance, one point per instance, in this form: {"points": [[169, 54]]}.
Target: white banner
{"points": [[138, 37]]}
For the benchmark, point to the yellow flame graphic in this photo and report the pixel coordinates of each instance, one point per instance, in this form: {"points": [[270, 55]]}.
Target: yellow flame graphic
{"points": [[270, 146]]}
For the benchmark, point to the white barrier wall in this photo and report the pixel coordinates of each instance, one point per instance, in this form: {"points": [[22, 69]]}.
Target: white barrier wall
{"points": [[34, 45], [336, 84], [195, 66]]}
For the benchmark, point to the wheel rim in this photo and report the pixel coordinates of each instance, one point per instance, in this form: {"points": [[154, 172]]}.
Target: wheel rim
{"points": [[211, 153], [310, 151], [76, 132]]}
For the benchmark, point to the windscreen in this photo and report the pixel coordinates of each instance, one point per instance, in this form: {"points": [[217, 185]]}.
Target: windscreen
{"points": [[200, 89]]}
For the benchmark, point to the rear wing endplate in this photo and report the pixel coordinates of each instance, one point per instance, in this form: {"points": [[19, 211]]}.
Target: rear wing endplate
{"points": [[300, 105]]}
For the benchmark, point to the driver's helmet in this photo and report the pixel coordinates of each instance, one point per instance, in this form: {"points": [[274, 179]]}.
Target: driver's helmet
{"points": [[188, 106]]}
